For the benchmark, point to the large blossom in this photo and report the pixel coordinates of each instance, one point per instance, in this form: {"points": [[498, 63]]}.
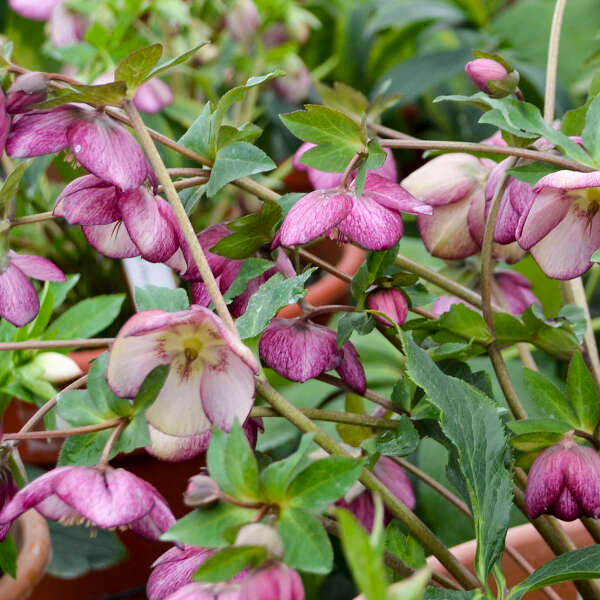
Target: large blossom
{"points": [[210, 380], [103, 146], [19, 303], [120, 224], [372, 221], [102, 497], [561, 227], [301, 350]]}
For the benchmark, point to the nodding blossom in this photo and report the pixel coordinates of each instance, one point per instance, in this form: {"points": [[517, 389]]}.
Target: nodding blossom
{"points": [[391, 302]]}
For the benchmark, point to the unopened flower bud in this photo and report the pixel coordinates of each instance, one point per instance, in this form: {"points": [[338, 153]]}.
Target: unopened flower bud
{"points": [[296, 85], [492, 77], [259, 534], [26, 90], [57, 367], [201, 490], [242, 20], [564, 481], [392, 302]]}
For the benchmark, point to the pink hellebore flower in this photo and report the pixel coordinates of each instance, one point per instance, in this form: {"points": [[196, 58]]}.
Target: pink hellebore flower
{"points": [[564, 481], [106, 498], [296, 84], [301, 350], [19, 303], [207, 591], [516, 289], [242, 20], [103, 146], [4, 121], [272, 581], [392, 302], [321, 180], [372, 221], [120, 224], [450, 184], [26, 90], [483, 70], [359, 501], [561, 227], [211, 376]]}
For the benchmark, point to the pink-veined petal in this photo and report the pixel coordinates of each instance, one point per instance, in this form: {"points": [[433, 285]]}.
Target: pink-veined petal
{"points": [[111, 240], [153, 95], [174, 448], [568, 180], [88, 200], [351, 369], [19, 303], [394, 477], [393, 196], [37, 267]]}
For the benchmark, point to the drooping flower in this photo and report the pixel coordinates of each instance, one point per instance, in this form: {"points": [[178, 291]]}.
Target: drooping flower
{"points": [[492, 77], [564, 481], [561, 227], [26, 90], [103, 146], [211, 376], [321, 180], [207, 591], [372, 221], [392, 302], [359, 501], [242, 20], [102, 497], [450, 184], [301, 350], [120, 224], [19, 303]]}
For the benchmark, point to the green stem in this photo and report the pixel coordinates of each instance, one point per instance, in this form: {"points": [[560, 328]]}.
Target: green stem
{"points": [[414, 525], [552, 63], [64, 433], [49, 344]]}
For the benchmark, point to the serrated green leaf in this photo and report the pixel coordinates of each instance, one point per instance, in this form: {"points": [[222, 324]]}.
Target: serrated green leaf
{"points": [[343, 98], [361, 322], [215, 460], [234, 161], [365, 561], [536, 441], [241, 466], [100, 391], [197, 137], [471, 422], [271, 296], [162, 298], [401, 441], [548, 397], [135, 68], [252, 267], [207, 527], [172, 62], [323, 482], [229, 562], [574, 565], [274, 479], [538, 425], [60, 289], [328, 157], [84, 450], [306, 544], [249, 132]]}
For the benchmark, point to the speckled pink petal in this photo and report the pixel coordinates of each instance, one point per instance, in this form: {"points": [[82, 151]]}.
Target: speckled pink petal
{"points": [[545, 481]]}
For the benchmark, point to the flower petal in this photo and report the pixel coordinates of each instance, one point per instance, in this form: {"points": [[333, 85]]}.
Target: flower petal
{"points": [[351, 369], [66, 26], [394, 477], [106, 149], [568, 180], [36, 10], [394, 196], [583, 479], [42, 131], [545, 481], [37, 267], [548, 209], [153, 95], [148, 229], [313, 215], [19, 303], [111, 240], [88, 200], [176, 448]]}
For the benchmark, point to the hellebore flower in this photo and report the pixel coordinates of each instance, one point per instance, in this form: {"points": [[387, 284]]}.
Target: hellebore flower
{"points": [[516, 289], [242, 20], [561, 227], [19, 303], [207, 591], [106, 498], [450, 184], [564, 481], [359, 500], [4, 121], [26, 90], [321, 180], [120, 224], [301, 350], [103, 146], [211, 376], [491, 77], [392, 302], [174, 569], [272, 581], [372, 221]]}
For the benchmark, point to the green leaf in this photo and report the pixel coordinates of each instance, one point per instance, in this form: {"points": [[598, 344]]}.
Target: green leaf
{"points": [[401, 441], [215, 460], [435, 593], [241, 466], [150, 389], [533, 172], [37, 326], [403, 545], [412, 588], [323, 482], [286, 202], [75, 552], [60, 289], [343, 98], [538, 425], [361, 322], [246, 133], [574, 565], [252, 267], [197, 137], [163, 298], [86, 318], [582, 393], [548, 397], [272, 295], [229, 562], [84, 450], [330, 158], [236, 160], [471, 422], [322, 125], [274, 479], [98, 388], [591, 131], [365, 561], [307, 546], [106, 94], [207, 527], [11, 184], [172, 62], [137, 65], [534, 442], [8, 556], [375, 159]]}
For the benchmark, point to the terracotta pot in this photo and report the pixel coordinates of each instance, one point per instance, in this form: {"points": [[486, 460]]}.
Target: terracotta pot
{"points": [[533, 548], [32, 537]]}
